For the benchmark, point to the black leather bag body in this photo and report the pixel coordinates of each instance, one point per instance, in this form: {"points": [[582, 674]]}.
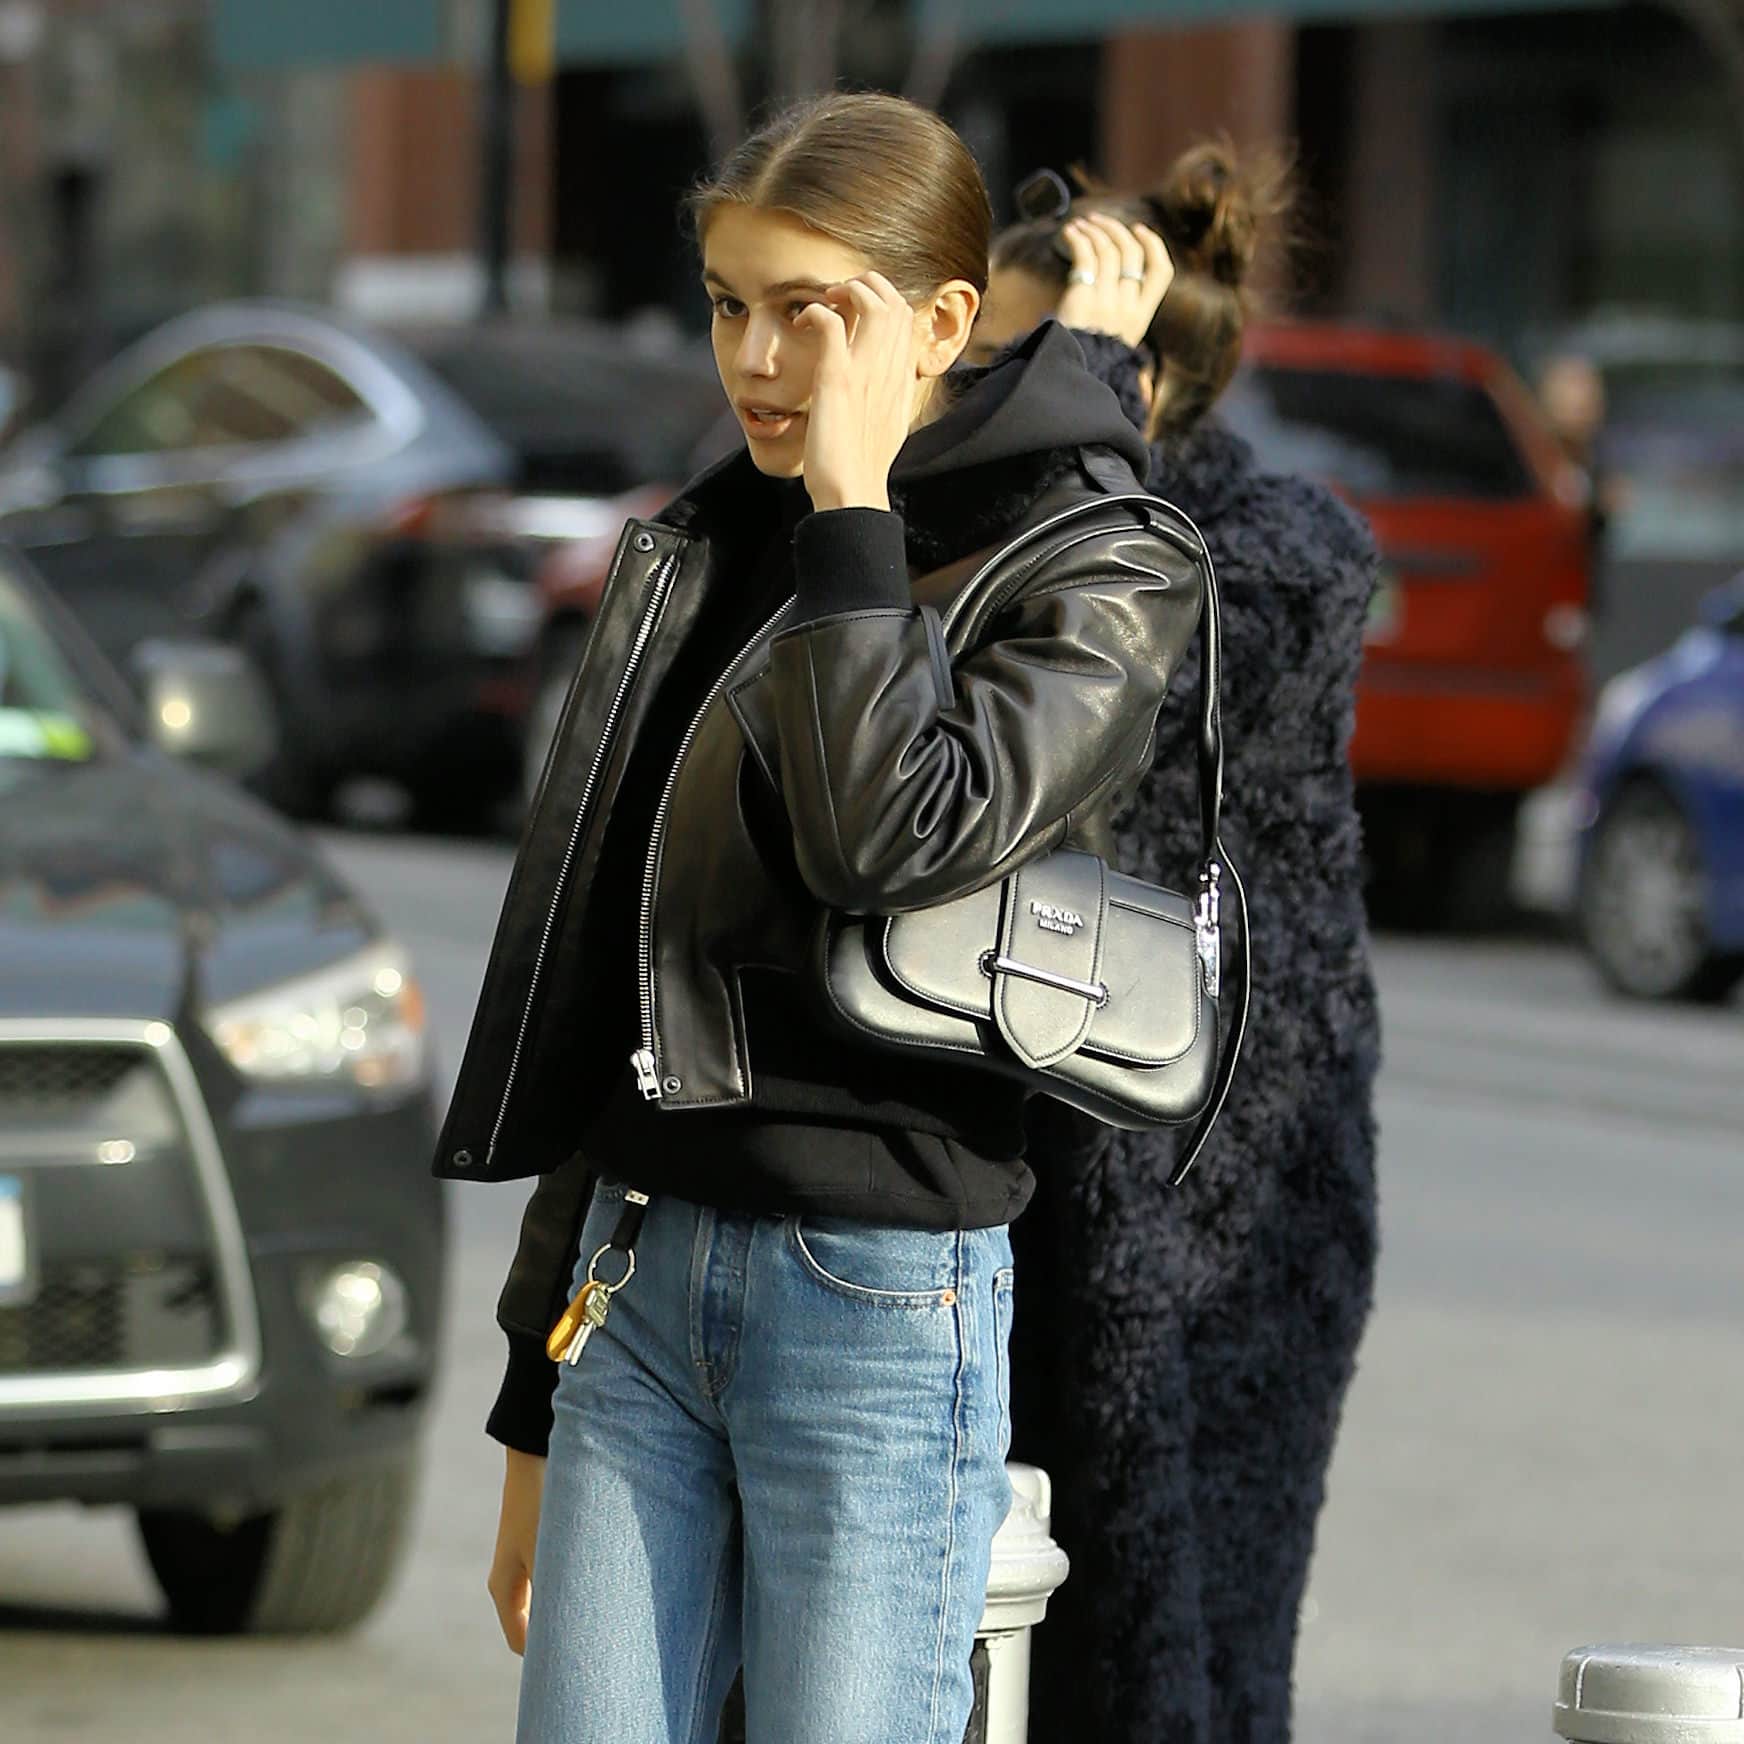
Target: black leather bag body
{"points": [[1097, 989]]}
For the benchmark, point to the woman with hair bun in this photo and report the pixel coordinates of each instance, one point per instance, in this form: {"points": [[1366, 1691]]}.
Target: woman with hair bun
{"points": [[1185, 1384]]}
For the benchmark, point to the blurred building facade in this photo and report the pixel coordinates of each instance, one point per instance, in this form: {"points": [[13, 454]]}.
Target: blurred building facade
{"points": [[1499, 170]]}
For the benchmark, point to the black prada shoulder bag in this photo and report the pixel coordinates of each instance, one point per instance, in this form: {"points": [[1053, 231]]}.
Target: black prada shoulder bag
{"points": [[1095, 988]]}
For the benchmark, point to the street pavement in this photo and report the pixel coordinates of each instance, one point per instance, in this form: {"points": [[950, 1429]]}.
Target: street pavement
{"points": [[1541, 1448]]}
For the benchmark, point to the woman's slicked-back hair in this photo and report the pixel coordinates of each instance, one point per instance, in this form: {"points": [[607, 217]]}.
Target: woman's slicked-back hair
{"points": [[1215, 211], [873, 172]]}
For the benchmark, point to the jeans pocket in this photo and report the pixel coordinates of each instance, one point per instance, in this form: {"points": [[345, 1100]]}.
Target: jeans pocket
{"points": [[1003, 1301], [878, 1264]]}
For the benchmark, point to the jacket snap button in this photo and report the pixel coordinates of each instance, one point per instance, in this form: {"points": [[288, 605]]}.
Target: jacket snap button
{"points": [[672, 1086], [644, 541], [463, 1159]]}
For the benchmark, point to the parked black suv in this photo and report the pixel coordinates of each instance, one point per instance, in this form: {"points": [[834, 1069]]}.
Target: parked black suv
{"points": [[221, 1252]]}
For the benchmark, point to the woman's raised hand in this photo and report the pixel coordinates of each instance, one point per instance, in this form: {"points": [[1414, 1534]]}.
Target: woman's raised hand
{"points": [[862, 397], [1120, 275]]}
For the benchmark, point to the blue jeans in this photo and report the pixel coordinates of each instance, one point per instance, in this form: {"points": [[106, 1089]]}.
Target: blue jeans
{"points": [[786, 1447]]}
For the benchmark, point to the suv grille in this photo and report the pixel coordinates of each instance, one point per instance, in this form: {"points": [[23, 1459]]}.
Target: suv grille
{"points": [[137, 1311], [38, 1082], [120, 1253]]}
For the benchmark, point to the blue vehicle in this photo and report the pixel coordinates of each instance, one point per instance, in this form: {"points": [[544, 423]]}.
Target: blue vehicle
{"points": [[1661, 810]]}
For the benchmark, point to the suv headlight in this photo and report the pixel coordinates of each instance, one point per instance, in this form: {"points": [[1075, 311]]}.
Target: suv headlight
{"points": [[361, 1020]]}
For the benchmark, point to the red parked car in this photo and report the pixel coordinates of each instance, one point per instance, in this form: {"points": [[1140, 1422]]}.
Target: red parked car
{"points": [[1474, 687]]}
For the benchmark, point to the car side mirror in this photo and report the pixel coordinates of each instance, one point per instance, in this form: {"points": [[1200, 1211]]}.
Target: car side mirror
{"points": [[207, 702], [1722, 608]]}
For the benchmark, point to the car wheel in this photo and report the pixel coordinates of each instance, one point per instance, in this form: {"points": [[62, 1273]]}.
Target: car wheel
{"points": [[1644, 901], [317, 1564], [557, 663]]}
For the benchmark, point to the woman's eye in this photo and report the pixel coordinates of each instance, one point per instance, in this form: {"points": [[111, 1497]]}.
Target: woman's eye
{"points": [[728, 308], [794, 309]]}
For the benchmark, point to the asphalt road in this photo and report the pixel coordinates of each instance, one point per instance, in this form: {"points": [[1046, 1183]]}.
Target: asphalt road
{"points": [[1541, 1448]]}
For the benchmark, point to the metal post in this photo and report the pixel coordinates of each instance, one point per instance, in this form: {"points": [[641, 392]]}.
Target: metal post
{"points": [[1027, 1566], [496, 163], [1651, 1695]]}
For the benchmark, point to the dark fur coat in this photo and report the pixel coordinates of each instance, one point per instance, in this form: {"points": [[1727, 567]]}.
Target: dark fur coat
{"points": [[1180, 1357]]}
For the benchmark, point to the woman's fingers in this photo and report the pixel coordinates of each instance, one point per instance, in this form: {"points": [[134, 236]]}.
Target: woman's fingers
{"points": [[1159, 267], [1077, 239], [831, 326], [511, 1591], [886, 292], [1107, 254], [1128, 252]]}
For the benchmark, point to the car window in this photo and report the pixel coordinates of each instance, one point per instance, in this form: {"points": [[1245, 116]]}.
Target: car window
{"points": [[1674, 440], [44, 711], [576, 415], [1378, 437], [310, 397], [224, 396]]}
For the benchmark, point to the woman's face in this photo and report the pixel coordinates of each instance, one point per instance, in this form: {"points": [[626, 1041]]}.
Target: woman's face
{"points": [[1017, 302], [760, 269]]}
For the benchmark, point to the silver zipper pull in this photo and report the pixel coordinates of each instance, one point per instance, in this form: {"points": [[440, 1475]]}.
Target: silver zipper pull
{"points": [[643, 1060], [1207, 933]]}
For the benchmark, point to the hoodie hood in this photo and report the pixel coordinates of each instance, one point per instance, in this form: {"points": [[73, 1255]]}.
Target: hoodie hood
{"points": [[1036, 398], [1012, 429]]}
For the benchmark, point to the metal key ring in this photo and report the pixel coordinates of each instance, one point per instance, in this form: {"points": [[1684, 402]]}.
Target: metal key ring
{"points": [[629, 1270]]}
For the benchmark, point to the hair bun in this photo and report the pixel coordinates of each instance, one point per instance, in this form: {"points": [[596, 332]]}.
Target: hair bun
{"points": [[1210, 210]]}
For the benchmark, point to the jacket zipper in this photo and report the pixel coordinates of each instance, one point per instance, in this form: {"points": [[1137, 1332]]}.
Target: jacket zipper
{"points": [[642, 1060], [662, 581]]}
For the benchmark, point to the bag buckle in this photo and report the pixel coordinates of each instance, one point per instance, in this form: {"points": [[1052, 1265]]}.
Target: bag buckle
{"points": [[996, 963], [1207, 933]]}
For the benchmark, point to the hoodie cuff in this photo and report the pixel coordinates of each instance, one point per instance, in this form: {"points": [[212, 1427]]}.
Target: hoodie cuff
{"points": [[521, 1417], [850, 560]]}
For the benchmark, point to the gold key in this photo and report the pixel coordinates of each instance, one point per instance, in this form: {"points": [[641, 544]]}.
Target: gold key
{"points": [[596, 1304], [580, 1314]]}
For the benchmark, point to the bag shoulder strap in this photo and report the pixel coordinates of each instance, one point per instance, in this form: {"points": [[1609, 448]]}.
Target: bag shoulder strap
{"points": [[1229, 1054], [1026, 556]]}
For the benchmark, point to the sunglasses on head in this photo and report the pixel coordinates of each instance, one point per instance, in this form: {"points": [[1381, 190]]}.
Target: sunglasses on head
{"points": [[1042, 194]]}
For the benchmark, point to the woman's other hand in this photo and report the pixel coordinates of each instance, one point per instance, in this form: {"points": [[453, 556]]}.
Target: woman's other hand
{"points": [[863, 395], [1120, 274], [511, 1575]]}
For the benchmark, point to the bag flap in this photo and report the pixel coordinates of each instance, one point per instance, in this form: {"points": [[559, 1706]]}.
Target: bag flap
{"points": [[1047, 976], [1149, 965]]}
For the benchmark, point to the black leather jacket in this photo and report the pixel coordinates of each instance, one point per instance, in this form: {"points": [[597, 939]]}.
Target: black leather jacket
{"points": [[894, 799]]}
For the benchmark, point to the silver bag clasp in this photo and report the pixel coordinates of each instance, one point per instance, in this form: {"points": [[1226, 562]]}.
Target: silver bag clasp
{"points": [[1207, 932]]}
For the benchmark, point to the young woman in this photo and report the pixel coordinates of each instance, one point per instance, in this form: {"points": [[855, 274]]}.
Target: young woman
{"points": [[1208, 1333], [786, 1442]]}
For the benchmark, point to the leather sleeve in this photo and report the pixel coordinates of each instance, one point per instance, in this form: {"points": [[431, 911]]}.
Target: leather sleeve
{"points": [[900, 797]]}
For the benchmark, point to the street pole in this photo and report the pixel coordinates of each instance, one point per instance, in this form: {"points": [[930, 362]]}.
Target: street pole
{"points": [[496, 163]]}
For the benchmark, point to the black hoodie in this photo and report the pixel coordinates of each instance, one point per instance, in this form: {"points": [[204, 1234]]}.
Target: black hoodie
{"points": [[826, 1131]]}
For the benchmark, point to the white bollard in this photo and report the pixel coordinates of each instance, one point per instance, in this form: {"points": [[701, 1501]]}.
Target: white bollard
{"points": [[1651, 1695], [1027, 1566]]}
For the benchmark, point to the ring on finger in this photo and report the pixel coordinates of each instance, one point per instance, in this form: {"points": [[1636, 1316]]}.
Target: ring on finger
{"points": [[1128, 273], [1080, 275]]}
